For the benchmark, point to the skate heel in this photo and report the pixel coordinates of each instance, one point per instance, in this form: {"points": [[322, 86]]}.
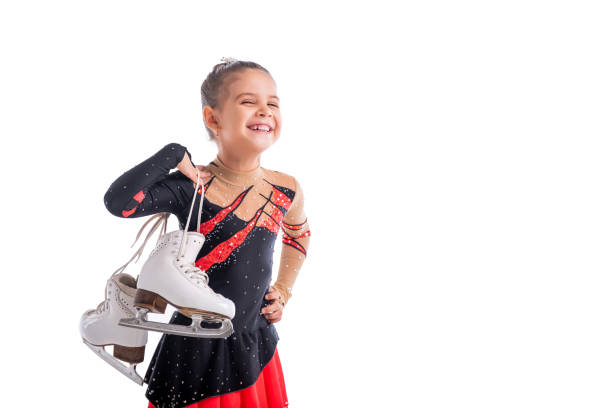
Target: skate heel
{"points": [[132, 355], [150, 300]]}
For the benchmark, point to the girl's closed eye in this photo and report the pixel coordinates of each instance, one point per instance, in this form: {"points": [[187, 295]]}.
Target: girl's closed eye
{"points": [[271, 104]]}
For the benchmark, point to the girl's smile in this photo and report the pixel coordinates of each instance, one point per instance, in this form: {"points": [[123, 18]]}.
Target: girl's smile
{"points": [[261, 128]]}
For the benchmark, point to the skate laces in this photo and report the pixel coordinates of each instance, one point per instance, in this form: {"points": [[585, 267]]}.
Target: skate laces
{"points": [[102, 306], [198, 275], [161, 219], [195, 194], [195, 273]]}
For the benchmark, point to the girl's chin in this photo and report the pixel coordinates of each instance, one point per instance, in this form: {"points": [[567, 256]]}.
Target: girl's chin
{"points": [[261, 147], [267, 139]]}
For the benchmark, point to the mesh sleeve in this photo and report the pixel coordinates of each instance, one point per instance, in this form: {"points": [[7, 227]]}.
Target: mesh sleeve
{"points": [[296, 239]]}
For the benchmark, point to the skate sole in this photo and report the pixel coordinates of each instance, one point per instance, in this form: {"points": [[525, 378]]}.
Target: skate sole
{"points": [[157, 304]]}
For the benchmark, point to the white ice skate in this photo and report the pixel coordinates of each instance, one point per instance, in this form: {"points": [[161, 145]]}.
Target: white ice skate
{"points": [[100, 327], [170, 276]]}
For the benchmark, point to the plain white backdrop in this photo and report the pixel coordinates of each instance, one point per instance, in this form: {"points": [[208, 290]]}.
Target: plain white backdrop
{"points": [[455, 160]]}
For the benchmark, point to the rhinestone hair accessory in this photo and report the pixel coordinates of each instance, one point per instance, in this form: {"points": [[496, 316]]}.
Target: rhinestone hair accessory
{"points": [[228, 60]]}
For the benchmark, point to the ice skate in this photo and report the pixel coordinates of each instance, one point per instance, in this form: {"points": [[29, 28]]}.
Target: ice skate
{"points": [[170, 276], [100, 327]]}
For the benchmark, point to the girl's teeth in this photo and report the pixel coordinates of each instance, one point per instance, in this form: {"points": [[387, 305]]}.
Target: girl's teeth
{"points": [[260, 128]]}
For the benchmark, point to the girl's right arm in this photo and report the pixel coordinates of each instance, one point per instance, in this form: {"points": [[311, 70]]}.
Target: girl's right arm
{"points": [[149, 188]]}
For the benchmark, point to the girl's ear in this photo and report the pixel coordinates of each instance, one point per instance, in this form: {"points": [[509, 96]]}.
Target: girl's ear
{"points": [[209, 117]]}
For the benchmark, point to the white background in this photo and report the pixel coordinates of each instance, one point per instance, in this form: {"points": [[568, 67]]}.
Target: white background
{"points": [[455, 159]]}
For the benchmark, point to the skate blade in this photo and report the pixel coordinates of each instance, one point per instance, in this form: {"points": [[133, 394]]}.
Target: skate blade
{"points": [[193, 330], [129, 372]]}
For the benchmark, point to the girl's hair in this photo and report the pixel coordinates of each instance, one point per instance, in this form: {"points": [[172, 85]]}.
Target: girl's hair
{"points": [[214, 87]]}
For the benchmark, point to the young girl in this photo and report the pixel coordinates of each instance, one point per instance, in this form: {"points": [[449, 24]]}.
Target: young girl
{"points": [[245, 207]]}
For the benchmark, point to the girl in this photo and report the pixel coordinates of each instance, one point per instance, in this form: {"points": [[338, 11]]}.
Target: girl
{"points": [[245, 207]]}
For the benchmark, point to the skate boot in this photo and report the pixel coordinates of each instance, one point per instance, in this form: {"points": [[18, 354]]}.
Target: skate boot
{"points": [[99, 327], [170, 276]]}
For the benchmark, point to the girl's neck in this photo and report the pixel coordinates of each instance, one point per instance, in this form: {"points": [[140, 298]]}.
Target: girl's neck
{"points": [[237, 162]]}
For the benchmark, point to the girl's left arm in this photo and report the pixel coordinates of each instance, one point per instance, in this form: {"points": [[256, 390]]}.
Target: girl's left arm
{"points": [[296, 239]]}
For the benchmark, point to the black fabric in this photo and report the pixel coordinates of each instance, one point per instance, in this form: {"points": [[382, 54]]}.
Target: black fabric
{"points": [[185, 370]]}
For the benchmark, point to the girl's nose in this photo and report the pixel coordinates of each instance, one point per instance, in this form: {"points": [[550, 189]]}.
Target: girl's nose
{"points": [[265, 112]]}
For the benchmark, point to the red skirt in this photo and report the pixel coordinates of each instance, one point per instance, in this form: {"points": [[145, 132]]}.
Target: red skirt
{"points": [[267, 392]]}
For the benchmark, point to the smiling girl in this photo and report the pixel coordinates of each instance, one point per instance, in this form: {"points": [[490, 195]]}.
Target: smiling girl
{"points": [[245, 207]]}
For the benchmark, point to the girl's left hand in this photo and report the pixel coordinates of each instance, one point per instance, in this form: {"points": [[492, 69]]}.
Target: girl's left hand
{"points": [[274, 310]]}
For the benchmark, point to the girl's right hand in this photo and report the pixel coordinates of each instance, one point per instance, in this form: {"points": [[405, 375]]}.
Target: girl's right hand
{"points": [[190, 172]]}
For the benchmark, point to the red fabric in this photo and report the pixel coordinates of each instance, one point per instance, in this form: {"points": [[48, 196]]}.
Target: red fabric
{"points": [[267, 392]]}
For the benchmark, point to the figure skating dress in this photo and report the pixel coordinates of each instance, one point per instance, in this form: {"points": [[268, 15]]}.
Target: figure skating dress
{"points": [[241, 217]]}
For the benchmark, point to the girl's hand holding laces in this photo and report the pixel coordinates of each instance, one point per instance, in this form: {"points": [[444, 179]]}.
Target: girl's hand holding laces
{"points": [[191, 172]]}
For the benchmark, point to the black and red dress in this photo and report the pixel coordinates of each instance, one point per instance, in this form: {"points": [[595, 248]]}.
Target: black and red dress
{"points": [[242, 215]]}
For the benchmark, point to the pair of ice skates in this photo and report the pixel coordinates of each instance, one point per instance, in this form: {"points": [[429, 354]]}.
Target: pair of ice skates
{"points": [[168, 276]]}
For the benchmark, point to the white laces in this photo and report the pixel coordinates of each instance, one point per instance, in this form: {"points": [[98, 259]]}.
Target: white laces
{"points": [[195, 194], [161, 219], [195, 273], [199, 276], [102, 306]]}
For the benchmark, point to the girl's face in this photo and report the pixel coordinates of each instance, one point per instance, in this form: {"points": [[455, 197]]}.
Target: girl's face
{"points": [[250, 100]]}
